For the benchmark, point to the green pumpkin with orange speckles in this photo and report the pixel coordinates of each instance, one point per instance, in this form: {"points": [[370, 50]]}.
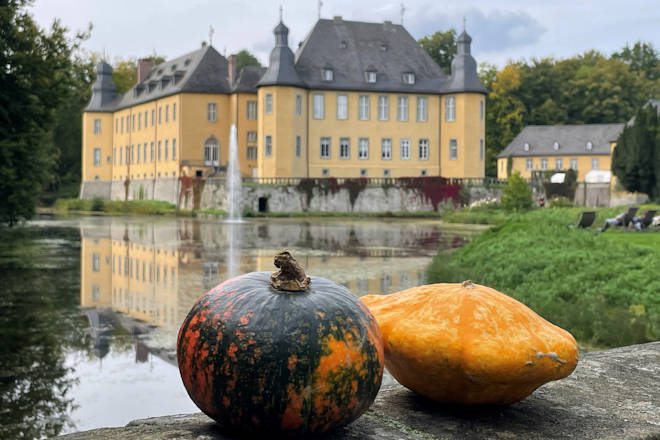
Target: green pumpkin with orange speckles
{"points": [[281, 352]]}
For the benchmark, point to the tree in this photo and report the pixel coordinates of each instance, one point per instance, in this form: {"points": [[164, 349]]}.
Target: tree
{"points": [[34, 81], [124, 72], [642, 57], [636, 158], [245, 59], [441, 46], [516, 194]]}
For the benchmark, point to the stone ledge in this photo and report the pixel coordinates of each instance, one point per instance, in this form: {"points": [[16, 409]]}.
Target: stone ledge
{"points": [[612, 394]]}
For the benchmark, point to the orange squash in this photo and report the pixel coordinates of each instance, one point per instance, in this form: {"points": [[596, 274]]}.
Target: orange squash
{"points": [[469, 344]]}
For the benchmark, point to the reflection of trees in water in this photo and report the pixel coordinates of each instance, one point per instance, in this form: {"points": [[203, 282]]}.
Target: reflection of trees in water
{"points": [[39, 322]]}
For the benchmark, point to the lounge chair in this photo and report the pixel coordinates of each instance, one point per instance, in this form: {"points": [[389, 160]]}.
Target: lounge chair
{"points": [[630, 213], [624, 219], [646, 220], [585, 219]]}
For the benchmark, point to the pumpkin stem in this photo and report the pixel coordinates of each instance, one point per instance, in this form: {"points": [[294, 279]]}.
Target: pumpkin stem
{"points": [[290, 276], [468, 284]]}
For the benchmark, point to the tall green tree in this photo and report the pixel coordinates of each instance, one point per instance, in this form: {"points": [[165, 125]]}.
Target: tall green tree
{"points": [[124, 71], [35, 67], [641, 57], [245, 59], [441, 46], [636, 158]]}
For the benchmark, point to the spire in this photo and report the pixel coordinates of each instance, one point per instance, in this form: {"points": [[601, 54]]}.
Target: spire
{"points": [[281, 66], [104, 90], [281, 35], [464, 67]]}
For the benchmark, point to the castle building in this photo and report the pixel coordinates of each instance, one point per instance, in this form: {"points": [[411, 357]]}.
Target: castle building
{"points": [[355, 100]]}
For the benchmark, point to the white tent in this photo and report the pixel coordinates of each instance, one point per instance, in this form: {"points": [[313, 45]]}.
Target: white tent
{"points": [[598, 176], [558, 178]]}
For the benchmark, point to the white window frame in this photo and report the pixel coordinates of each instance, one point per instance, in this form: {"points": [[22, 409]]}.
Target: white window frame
{"points": [[318, 101], [409, 78], [344, 148], [167, 114], [544, 164], [383, 108], [342, 107], [574, 164], [268, 145], [364, 107], [173, 148], [97, 126], [453, 149], [160, 151], [211, 151], [450, 109], [211, 112], [151, 155], [327, 74], [252, 152], [325, 145], [370, 76], [363, 148], [404, 148], [138, 154], [251, 111], [422, 109], [174, 111], [559, 163], [595, 163], [402, 108], [386, 148], [529, 164], [167, 149], [481, 110], [268, 104], [97, 157], [251, 136], [423, 149]]}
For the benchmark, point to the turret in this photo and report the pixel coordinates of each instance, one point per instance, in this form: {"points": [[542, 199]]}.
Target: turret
{"points": [[104, 90], [281, 66], [464, 69]]}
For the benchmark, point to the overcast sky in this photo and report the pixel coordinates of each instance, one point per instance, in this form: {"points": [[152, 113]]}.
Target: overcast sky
{"points": [[501, 31]]}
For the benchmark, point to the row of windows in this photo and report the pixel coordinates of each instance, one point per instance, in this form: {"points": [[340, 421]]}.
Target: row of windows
{"points": [[325, 172], [144, 153], [132, 268], [559, 164], [364, 107], [212, 111], [134, 122], [131, 300], [328, 74]]}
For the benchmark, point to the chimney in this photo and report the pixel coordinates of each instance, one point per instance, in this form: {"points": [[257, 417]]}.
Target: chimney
{"points": [[231, 60], [337, 19], [144, 67]]}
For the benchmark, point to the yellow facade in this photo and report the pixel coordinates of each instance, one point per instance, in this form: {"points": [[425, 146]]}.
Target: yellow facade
{"points": [[468, 129], [585, 163], [97, 146]]}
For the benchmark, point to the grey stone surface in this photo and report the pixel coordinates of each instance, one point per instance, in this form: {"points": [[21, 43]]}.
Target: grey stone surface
{"points": [[612, 394], [90, 189]]}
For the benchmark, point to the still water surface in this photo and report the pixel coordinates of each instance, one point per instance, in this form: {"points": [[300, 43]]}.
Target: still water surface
{"points": [[92, 306]]}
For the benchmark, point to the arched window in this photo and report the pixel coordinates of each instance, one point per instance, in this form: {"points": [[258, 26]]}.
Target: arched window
{"points": [[212, 152]]}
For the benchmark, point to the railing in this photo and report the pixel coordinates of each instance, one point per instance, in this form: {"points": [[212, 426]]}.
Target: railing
{"points": [[372, 181]]}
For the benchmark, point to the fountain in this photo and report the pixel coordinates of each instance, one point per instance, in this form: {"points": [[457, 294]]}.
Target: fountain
{"points": [[233, 179]]}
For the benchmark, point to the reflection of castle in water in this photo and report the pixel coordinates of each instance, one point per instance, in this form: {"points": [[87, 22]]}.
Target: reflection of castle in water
{"points": [[155, 271]]}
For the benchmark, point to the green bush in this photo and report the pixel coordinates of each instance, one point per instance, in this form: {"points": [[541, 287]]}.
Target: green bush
{"points": [[97, 204], [516, 194]]}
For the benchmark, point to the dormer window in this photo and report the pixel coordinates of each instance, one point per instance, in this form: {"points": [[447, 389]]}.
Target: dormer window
{"points": [[343, 45], [383, 47], [186, 62], [328, 74], [555, 146], [590, 146], [370, 76], [409, 78], [526, 146]]}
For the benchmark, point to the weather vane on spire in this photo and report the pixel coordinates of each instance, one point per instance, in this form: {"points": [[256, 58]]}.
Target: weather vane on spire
{"points": [[280, 13], [320, 6], [403, 10], [211, 32], [464, 19]]}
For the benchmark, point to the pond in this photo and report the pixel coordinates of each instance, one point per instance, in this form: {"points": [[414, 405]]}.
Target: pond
{"points": [[91, 306]]}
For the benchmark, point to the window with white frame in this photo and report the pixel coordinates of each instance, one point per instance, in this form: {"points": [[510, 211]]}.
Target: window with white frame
{"points": [[318, 106], [298, 146], [160, 151], [97, 157], [121, 125], [211, 112], [114, 156], [167, 113], [151, 155], [544, 164], [173, 148], [121, 155], [327, 74], [594, 163], [96, 262], [559, 164], [252, 153], [453, 149], [481, 110], [574, 163], [555, 146], [528, 164], [97, 126], [139, 119], [386, 148], [144, 152], [268, 103], [153, 117], [268, 145], [211, 152], [363, 148], [325, 147], [160, 116], [383, 108], [167, 149], [342, 107], [344, 148], [132, 153], [404, 148], [138, 153], [423, 149], [252, 136], [482, 149], [146, 112], [116, 125], [298, 104], [363, 107], [422, 108], [450, 109], [133, 124], [252, 110], [409, 78], [402, 108], [370, 76]]}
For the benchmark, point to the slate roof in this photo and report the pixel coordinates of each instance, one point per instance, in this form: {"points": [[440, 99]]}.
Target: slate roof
{"points": [[464, 76], [247, 79], [104, 91], [281, 67], [201, 71], [572, 140], [351, 48]]}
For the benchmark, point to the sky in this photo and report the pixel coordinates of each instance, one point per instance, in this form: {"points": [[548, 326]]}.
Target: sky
{"points": [[501, 31]]}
